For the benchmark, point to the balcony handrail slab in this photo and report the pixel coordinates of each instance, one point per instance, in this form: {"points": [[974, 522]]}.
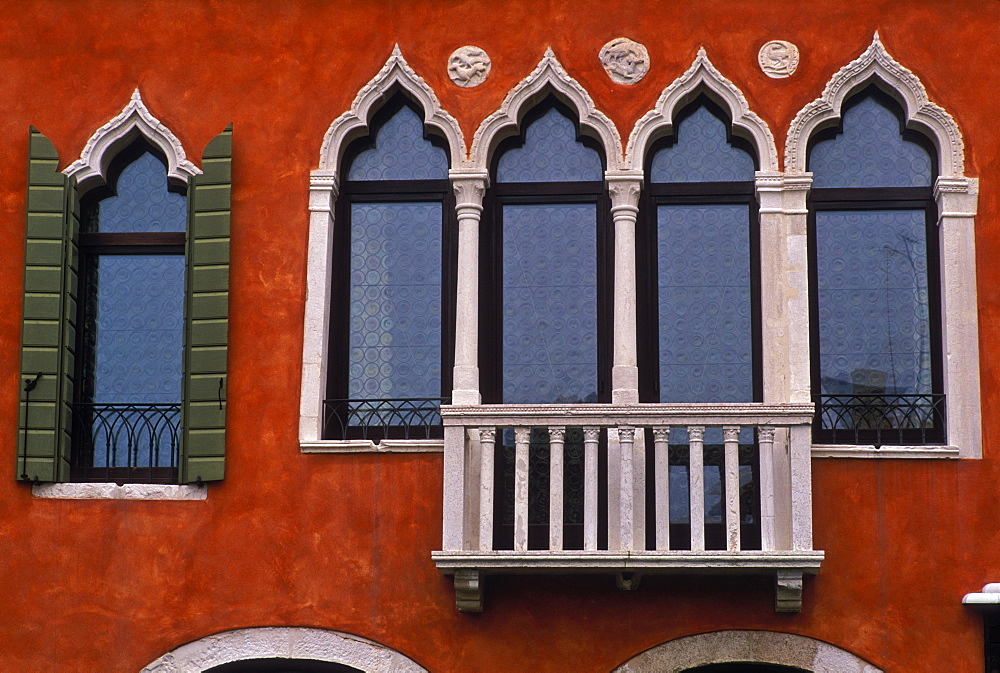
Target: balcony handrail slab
{"points": [[644, 415], [691, 562]]}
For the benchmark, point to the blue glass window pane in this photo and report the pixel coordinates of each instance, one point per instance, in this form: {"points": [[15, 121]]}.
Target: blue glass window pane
{"points": [[551, 153], [874, 326], [395, 305], [549, 304], [869, 153], [138, 329], [705, 323], [401, 153], [142, 203], [701, 154]]}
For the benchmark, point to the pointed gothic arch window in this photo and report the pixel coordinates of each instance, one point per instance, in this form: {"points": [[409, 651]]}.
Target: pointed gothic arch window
{"points": [[392, 322], [545, 305], [699, 301], [877, 373], [130, 323], [546, 271]]}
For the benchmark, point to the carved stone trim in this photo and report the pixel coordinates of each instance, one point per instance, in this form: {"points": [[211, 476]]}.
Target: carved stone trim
{"points": [[876, 65], [626, 61], [469, 187], [469, 66], [701, 77], [396, 73], [90, 170], [285, 643], [778, 59], [469, 590], [788, 591], [719, 647], [549, 76], [624, 189]]}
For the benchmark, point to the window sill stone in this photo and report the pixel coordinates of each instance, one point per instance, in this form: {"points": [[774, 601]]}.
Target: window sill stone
{"points": [[870, 451], [111, 491]]}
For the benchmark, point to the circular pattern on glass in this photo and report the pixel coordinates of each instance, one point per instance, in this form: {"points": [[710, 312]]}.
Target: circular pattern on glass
{"points": [[626, 61], [469, 66], [778, 59]]}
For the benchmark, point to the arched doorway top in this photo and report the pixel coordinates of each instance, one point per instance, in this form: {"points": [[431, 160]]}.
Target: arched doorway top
{"points": [[719, 647], [307, 644]]}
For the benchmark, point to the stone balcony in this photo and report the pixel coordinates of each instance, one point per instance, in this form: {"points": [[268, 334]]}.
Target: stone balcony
{"points": [[568, 489]]}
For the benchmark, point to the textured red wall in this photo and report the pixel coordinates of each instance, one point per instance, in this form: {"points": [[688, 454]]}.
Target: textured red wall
{"points": [[344, 541]]}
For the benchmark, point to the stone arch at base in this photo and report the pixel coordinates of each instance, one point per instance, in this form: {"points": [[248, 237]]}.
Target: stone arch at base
{"points": [[720, 647], [293, 643]]}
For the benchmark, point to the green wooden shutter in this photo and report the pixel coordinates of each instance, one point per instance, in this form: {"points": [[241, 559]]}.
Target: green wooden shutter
{"points": [[207, 316], [48, 332]]}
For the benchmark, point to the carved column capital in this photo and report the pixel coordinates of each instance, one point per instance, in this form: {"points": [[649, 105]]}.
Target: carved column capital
{"points": [[469, 188], [661, 434], [324, 187], [624, 188]]}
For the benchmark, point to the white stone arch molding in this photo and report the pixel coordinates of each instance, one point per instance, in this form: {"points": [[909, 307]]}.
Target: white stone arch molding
{"points": [[701, 78], [295, 643], [91, 169], [765, 647], [957, 202], [395, 76], [876, 66], [548, 77]]}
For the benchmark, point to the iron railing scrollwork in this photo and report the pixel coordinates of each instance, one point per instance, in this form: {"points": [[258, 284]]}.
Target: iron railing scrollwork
{"points": [[879, 419], [126, 442], [394, 418]]}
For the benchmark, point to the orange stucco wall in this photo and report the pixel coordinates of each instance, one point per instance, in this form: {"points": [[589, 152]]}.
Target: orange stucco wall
{"points": [[344, 541]]}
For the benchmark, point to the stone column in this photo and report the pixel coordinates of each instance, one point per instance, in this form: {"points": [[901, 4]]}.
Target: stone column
{"points": [[469, 190], [624, 188], [784, 286], [957, 201], [323, 190]]}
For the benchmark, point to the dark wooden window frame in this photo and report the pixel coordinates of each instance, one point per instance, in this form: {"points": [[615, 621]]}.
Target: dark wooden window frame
{"points": [[374, 192], [870, 199], [92, 245]]}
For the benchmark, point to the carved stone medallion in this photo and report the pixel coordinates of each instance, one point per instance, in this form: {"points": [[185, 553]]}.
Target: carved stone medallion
{"points": [[469, 66], [626, 61], [778, 58]]}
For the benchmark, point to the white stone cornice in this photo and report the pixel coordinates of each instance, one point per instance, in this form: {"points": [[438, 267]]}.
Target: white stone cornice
{"points": [[876, 66], [548, 77], [395, 75], [701, 77], [91, 169]]}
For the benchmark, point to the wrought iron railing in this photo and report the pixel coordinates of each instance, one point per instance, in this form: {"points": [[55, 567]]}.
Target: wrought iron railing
{"points": [[879, 419], [394, 418], [126, 442]]}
